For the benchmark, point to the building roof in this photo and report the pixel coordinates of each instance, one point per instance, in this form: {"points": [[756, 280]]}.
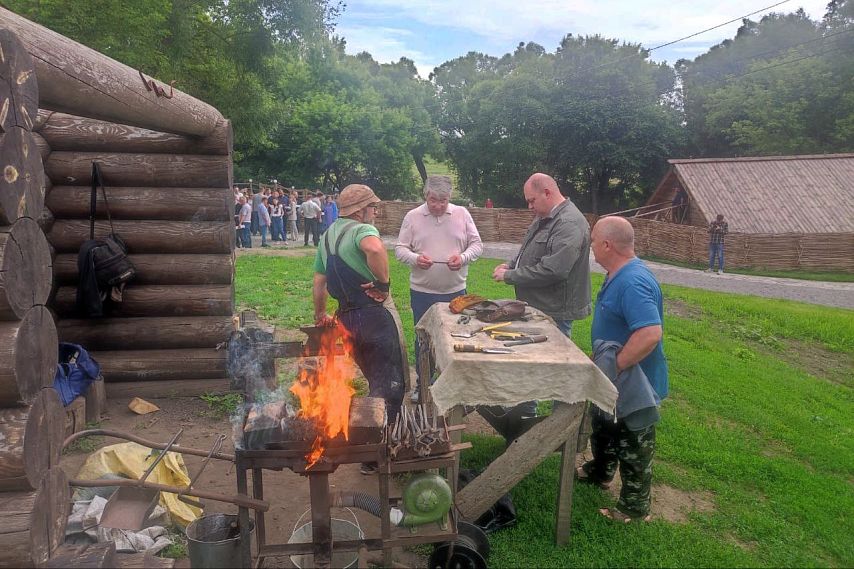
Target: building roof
{"points": [[775, 194]]}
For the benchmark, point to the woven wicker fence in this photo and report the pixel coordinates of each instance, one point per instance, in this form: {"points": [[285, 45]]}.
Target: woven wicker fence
{"points": [[684, 243]]}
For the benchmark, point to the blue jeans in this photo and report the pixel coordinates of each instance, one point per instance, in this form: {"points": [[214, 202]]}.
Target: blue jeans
{"points": [[420, 303], [246, 236], [565, 326], [716, 249], [277, 229], [263, 229]]}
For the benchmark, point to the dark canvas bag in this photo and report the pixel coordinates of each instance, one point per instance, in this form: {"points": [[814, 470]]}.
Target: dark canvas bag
{"points": [[102, 264], [112, 266]]}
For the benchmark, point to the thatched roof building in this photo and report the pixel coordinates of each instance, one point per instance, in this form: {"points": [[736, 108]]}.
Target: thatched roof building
{"points": [[771, 195]]}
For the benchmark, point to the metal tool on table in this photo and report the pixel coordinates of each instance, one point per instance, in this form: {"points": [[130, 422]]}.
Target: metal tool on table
{"points": [[486, 328], [527, 340], [481, 349], [130, 506]]}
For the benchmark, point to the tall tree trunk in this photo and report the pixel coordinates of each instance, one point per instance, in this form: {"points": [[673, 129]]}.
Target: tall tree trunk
{"points": [[419, 163]]}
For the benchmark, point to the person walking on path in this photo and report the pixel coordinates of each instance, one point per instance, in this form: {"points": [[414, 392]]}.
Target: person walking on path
{"points": [[311, 216], [438, 240], [717, 231], [627, 335], [352, 266], [551, 272], [244, 222], [264, 221]]}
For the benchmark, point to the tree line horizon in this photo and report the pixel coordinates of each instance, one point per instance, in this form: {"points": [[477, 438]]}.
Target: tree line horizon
{"points": [[596, 113]]}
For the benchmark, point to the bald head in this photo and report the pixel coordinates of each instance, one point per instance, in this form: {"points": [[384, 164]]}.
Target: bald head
{"points": [[542, 194], [619, 232]]}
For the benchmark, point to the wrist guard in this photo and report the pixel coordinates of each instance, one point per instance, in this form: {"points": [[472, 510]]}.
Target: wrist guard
{"points": [[382, 287]]}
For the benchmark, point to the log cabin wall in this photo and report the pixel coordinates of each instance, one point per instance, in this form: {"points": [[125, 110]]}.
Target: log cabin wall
{"points": [[167, 168], [34, 494]]}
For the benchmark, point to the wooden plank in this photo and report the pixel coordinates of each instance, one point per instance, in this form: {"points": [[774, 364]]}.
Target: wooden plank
{"points": [[149, 170], [68, 132], [153, 300], [154, 333], [175, 204], [94, 556], [78, 80], [162, 365], [165, 269], [520, 458], [171, 388], [170, 237]]}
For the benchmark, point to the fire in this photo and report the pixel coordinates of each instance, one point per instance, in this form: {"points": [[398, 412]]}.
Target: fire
{"points": [[325, 391]]}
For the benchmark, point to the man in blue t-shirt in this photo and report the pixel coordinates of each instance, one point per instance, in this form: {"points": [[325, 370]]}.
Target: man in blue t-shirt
{"points": [[629, 312]]}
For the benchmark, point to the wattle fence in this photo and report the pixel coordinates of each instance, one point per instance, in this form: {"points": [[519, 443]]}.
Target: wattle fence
{"points": [[670, 241]]}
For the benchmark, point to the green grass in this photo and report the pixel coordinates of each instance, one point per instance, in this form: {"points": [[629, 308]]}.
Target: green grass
{"points": [[222, 405], [760, 420], [826, 276]]}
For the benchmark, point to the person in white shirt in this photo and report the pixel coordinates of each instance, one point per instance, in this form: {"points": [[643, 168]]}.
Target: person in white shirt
{"points": [[311, 218]]}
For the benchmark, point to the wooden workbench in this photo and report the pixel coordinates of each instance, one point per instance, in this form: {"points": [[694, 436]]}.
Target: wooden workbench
{"points": [[556, 369]]}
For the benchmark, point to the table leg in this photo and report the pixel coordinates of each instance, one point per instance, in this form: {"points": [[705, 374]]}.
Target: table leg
{"points": [[321, 521], [520, 458], [258, 492], [566, 481], [425, 362], [243, 521], [385, 522]]}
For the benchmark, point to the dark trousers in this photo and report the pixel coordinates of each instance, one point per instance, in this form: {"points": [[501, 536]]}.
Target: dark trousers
{"points": [[614, 445], [245, 236], [420, 303], [376, 349], [311, 227], [254, 223]]}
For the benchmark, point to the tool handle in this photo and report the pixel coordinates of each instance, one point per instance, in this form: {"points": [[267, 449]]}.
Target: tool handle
{"points": [[466, 348], [528, 340]]}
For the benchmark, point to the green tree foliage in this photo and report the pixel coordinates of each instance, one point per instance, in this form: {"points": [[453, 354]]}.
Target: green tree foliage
{"points": [[784, 85], [303, 112], [593, 114]]}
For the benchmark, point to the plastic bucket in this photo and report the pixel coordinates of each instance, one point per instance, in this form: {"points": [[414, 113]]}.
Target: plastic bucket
{"points": [[342, 530], [213, 542]]}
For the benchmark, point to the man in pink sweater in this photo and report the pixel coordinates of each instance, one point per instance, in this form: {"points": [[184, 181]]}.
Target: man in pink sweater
{"points": [[437, 240]]}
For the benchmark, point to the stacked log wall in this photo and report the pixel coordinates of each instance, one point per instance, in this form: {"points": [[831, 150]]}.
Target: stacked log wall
{"points": [[169, 199], [34, 494]]}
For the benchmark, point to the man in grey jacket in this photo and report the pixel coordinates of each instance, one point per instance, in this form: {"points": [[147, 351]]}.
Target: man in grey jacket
{"points": [[551, 272]]}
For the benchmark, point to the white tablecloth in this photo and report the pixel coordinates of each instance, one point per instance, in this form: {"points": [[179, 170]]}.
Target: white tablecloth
{"points": [[555, 369]]}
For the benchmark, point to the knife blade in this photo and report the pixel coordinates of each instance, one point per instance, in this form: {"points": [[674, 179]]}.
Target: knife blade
{"points": [[527, 340]]}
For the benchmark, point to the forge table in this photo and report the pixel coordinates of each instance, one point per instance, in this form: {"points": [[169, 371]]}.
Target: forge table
{"points": [[322, 545], [554, 370]]}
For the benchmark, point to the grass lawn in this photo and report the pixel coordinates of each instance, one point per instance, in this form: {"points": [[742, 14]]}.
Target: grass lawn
{"points": [[760, 420], [827, 276]]}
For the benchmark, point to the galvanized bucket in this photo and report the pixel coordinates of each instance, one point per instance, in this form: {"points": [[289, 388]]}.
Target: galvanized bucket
{"points": [[214, 541], [342, 530]]}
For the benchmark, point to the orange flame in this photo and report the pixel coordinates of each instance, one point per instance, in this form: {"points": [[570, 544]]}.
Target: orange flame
{"points": [[325, 392]]}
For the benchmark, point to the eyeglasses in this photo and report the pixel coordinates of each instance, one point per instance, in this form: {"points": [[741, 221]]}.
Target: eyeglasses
{"points": [[375, 206]]}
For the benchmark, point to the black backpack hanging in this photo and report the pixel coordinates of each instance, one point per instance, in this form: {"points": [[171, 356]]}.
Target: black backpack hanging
{"points": [[102, 264]]}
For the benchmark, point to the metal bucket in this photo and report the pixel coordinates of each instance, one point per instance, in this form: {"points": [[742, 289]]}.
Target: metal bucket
{"points": [[342, 530], [214, 541]]}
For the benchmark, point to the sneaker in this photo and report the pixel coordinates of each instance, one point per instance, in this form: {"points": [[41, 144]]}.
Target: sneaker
{"points": [[709, 271], [368, 468], [720, 271]]}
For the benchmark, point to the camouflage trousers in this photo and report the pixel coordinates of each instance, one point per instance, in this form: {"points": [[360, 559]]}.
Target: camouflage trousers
{"points": [[613, 445]]}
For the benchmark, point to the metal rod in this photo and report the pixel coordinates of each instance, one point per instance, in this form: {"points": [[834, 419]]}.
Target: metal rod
{"points": [[160, 456], [144, 442], [237, 499]]}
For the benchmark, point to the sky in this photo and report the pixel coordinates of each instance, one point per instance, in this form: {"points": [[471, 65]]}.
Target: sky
{"points": [[431, 32]]}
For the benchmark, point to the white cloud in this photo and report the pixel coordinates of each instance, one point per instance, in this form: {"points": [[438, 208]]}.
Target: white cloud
{"points": [[651, 23], [386, 45]]}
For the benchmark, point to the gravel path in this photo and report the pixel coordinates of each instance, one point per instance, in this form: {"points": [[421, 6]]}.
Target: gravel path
{"points": [[839, 295]]}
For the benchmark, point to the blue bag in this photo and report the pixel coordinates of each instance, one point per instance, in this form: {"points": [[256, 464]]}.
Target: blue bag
{"points": [[76, 370]]}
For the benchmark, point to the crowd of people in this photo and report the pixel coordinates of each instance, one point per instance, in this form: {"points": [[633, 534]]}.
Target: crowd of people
{"points": [[283, 215]]}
